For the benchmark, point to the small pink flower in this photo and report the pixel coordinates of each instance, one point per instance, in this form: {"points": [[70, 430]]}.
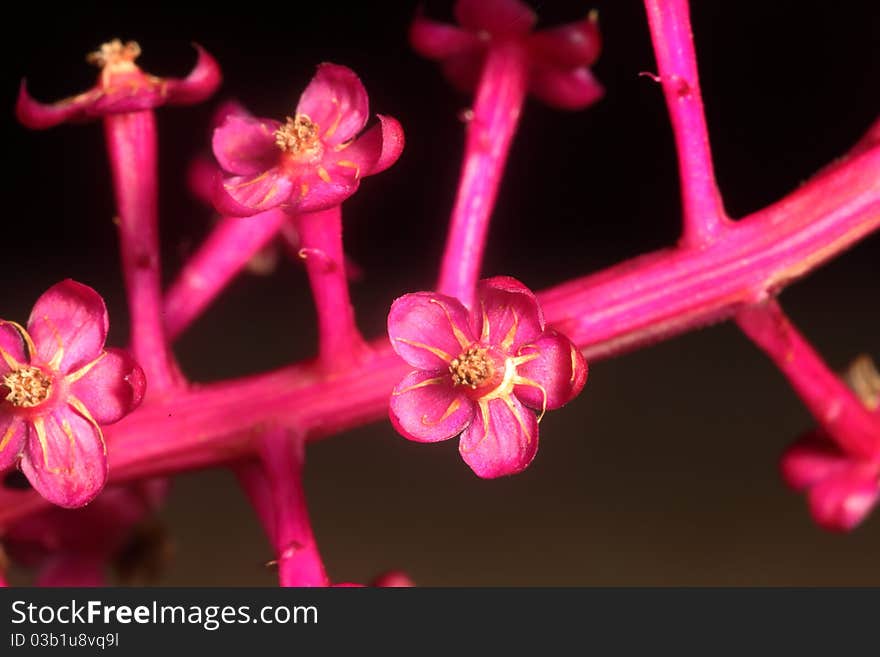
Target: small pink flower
{"points": [[476, 373], [559, 57], [312, 161], [122, 87], [841, 490], [59, 385]]}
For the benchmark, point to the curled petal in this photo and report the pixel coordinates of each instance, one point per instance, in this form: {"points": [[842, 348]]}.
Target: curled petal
{"points": [[65, 459], [501, 440], [243, 196], [436, 40], [375, 150], [13, 433], [843, 500], [12, 343], [567, 46], [508, 315], [38, 116], [112, 388], [428, 330], [559, 371], [69, 319], [571, 90], [337, 101], [427, 408], [498, 17], [245, 145], [200, 84], [810, 460]]}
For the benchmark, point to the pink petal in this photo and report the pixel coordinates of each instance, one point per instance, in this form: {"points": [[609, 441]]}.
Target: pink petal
{"points": [[464, 70], [811, 460], [499, 17], [842, 501], [13, 432], [245, 145], [436, 40], [428, 330], [201, 175], [375, 150], [113, 388], [337, 101], [567, 46], [38, 116], [13, 344], [71, 569], [317, 193], [71, 468], [426, 407], [571, 90], [393, 579], [69, 316], [502, 442], [199, 85], [242, 196], [560, 370], [508, 312]]}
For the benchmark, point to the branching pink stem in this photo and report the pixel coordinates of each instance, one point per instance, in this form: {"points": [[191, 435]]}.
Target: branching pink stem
{"points": [[836, 408], [131, 146], [229, 247], [320, 234], [490, 131], [703, 211], [274, 485]]}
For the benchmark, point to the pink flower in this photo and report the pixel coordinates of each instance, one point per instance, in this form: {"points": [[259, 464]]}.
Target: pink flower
{"points": [[59, 386], [841, 490], [559, 57], [313, 160], [480, 387], [122, 87]]}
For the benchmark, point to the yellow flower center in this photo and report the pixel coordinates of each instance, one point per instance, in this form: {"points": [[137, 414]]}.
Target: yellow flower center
{"points": [[28, 387], [115, 54], [472, 368], [298, 136]]}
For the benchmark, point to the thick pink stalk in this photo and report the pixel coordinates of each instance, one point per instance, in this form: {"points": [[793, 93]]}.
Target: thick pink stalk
{"points": [[496, 112], [836, 408], [644, 300], [320, 234], [229, 247], [131, 145], [274, 486], [703, 211]]}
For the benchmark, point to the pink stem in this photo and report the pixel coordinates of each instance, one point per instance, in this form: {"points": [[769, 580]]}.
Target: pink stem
{"points": [[832, 403], [703, 211], [496, 112], [229, 247], [274, 485], [320, 233], [131, 145], [644, 300]]}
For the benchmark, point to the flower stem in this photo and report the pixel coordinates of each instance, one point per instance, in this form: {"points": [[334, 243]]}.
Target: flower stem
{"points": [[703, 211], [837, 409], [131, 146], [274, 485], [229, 247], [340, 343], [491, 129]]}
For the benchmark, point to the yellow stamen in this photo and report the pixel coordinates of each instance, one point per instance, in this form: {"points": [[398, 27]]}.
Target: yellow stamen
{"points": [[28, 386], [299, 137]]}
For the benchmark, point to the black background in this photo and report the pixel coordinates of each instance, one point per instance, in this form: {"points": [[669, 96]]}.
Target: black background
{"points": [[664, 471]]}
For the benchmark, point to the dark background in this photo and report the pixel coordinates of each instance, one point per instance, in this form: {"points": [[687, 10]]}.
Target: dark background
{"points": [[664, 470]]}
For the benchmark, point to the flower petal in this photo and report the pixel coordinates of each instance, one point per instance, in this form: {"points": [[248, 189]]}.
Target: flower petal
{"points": [[463, 70], [243, 196], [501, 440], [200, 84], [427, 408], [843, 500], [428, 330], [375, 150], [571, 90], [559, 370], [337, 101], [112, 388], [245, 145], [324, 188], [812, 459], [508, 315], [436, 40], [499, 17], [65, 459], [12, 344], [71, 317], [567, 46], [38, 116], [13, 433]]}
